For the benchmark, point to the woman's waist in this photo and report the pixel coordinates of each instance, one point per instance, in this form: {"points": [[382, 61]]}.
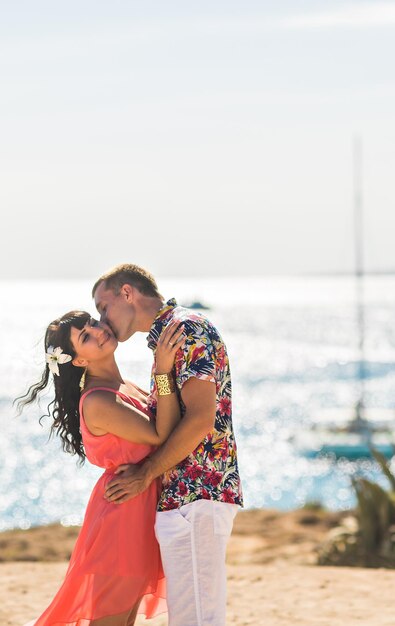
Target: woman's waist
{"points": [[109, 462], [111, 465]]}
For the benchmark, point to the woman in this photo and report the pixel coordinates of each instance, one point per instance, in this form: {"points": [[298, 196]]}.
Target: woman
{"points": [[115, 570]]}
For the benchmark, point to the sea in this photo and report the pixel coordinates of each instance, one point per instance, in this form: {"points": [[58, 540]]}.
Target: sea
{"points": [[293, 347]]}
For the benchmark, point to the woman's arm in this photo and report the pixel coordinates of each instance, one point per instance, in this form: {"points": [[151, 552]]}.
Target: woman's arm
{"points": [[104, 412], [168, 412]]}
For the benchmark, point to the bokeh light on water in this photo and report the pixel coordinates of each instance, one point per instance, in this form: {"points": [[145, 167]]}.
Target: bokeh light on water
{"points": [[292, 349]]}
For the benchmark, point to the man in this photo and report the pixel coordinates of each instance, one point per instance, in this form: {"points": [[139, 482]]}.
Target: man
{"points": [[198, 463]]}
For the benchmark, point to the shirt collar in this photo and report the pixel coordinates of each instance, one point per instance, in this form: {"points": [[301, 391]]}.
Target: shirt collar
{"points": [[159, 322]]}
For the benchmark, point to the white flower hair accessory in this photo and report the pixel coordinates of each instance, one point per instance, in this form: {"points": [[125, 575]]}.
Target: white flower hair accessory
{"points": [[54, 356]]}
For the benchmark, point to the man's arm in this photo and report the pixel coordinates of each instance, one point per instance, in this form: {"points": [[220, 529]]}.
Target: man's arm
{"points": [[199, 397]]}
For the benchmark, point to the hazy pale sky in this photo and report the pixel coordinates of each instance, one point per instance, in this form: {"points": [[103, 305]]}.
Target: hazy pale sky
{"points": [[194, 138]]}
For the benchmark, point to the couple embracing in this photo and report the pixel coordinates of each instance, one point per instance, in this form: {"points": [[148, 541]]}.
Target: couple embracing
{"points": [[158, 520]]}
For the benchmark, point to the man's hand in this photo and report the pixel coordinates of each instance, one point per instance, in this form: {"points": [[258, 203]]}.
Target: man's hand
{"points": [[131, 480]]}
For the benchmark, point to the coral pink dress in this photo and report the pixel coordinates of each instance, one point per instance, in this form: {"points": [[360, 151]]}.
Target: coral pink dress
{"points": [[116, 560]]}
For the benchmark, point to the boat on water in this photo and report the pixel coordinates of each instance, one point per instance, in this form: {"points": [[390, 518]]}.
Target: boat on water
{"points": [[354, 436], [346, 441], [196, 304], [352, 446]]}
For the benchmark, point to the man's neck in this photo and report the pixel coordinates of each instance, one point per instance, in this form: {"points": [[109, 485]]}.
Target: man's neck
{"points": [[150, 309]]}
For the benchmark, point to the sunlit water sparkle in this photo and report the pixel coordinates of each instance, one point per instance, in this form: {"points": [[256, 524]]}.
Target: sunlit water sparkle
{"points": [[292, 344]]}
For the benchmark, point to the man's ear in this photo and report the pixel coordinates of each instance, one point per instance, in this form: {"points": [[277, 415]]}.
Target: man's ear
{"points": [[80, 362], [128, 292]]}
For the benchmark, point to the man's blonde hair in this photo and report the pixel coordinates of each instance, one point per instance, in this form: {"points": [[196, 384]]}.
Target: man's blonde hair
{"points": [[131, 275]]}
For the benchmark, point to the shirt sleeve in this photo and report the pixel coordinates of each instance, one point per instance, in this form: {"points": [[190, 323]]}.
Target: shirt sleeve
{"points": [[197, 358]]}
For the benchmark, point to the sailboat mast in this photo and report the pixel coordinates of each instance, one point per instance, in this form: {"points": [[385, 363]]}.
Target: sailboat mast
{"points": [[359, 268]]}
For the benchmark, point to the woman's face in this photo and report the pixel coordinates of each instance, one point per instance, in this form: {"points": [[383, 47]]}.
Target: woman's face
{"points": [[95, 341]]}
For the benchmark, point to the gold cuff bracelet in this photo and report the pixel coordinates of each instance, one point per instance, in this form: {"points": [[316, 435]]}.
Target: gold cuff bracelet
{"points": [[164, 384]]}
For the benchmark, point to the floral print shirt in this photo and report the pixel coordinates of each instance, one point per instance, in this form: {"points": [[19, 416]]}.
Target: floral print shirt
{"points": [[210, 472]]}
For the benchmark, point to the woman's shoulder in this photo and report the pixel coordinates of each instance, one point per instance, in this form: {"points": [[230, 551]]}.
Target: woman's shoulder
{"points": [[98, 396]]}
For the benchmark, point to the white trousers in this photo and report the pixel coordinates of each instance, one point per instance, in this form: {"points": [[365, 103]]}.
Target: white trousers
{"points": [[193, 543]]}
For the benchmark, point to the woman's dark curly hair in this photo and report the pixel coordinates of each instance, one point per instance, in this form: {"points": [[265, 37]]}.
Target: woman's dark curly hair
{"points": [[64, 408]]}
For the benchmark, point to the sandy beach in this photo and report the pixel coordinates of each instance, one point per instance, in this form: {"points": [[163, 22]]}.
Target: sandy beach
{"points": [[272, 576]]}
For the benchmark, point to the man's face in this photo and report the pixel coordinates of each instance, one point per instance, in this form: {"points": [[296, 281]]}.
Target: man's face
{"points": [[115, 310]]}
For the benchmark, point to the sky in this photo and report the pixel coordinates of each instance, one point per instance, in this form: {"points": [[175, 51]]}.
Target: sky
{"points": [[194, 138]]}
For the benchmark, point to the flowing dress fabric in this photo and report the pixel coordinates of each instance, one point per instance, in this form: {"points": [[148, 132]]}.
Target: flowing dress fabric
{"points": [[116, 559]]}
